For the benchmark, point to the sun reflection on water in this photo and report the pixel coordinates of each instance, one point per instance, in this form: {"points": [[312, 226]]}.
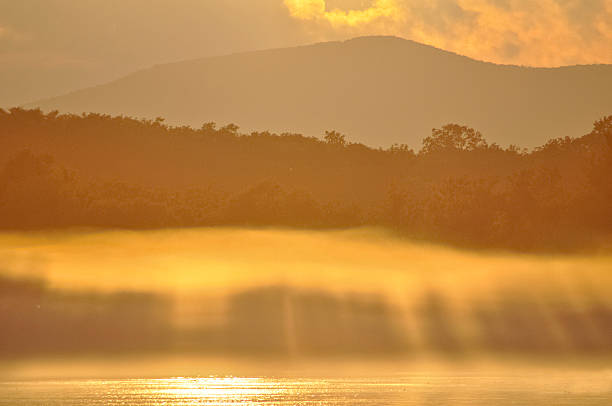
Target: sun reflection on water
{"points": [[219, 389], [535, 388]]}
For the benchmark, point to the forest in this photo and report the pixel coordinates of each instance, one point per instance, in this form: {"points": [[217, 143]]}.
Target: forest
{"points": [[60, 171]]}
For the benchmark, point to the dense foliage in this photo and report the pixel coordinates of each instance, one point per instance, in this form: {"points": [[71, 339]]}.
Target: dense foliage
{"points": [[95, 170]]}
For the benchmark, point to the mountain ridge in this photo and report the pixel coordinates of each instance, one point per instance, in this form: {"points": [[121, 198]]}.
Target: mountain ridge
{"points": [[360, 81]]}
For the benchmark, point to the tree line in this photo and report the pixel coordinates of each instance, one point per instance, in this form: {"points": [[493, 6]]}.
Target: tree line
{"points": [[93, 170]]}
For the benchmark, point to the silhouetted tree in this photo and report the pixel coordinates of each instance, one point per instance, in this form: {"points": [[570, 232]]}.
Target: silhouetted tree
{"points": [[453, 137], [144, 173], [335, 138], [603, 127]]}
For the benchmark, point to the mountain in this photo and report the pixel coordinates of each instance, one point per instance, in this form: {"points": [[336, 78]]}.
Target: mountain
{"points": [[377, 90]]}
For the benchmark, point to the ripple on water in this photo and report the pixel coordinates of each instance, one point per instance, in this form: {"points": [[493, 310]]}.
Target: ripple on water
{"points": [[414, 390]]}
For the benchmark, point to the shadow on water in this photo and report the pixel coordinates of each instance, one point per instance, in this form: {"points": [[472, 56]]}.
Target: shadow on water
{"points": [[518, 322], [38, 320], [288, 321], [278, 319], [438, 324]]}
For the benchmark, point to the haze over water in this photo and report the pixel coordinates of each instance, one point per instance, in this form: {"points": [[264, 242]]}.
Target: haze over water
{"points": [[271, 313], [305, 202]]}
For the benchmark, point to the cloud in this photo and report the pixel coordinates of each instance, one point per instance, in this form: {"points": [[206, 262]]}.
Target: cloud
{"points": [[318, 10], [542, 33]]}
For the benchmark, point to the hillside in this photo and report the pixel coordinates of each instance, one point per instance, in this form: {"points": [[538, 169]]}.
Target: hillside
{"points": [[379, 90], [63, 171]]}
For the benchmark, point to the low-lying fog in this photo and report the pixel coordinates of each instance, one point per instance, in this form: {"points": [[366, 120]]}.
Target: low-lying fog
{"points": [[298, 294]]}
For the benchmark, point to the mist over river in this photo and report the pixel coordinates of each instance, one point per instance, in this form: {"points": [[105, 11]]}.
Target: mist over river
{"points": [[297, 315]]}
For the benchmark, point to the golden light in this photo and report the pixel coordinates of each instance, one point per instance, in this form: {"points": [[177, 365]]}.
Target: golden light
{"points": [[317, 10], [215, 388]]}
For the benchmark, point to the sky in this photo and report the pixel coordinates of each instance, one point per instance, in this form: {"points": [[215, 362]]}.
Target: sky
{"points": [[49, 47]]}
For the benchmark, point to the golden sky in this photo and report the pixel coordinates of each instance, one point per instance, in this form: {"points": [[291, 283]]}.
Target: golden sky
{"points": [[527, 32], [54, 46]]}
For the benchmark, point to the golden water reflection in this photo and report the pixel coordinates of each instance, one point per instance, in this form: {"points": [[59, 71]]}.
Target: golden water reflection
{"points": [[217, 388], [456, 388]]}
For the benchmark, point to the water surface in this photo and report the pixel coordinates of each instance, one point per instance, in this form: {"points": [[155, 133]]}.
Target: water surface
{"points": [[421, 390]]}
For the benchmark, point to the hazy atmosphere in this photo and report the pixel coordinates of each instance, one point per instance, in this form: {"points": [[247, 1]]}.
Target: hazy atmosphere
{"points": [[50, 47], [288, 202]]}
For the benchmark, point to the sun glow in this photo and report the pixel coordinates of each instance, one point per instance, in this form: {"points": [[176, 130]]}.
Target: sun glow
{"points": [[227, 389], [317, 10], [480, 29]]}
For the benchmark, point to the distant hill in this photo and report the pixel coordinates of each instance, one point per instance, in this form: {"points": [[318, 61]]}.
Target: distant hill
{"points": [[378, 90]]}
